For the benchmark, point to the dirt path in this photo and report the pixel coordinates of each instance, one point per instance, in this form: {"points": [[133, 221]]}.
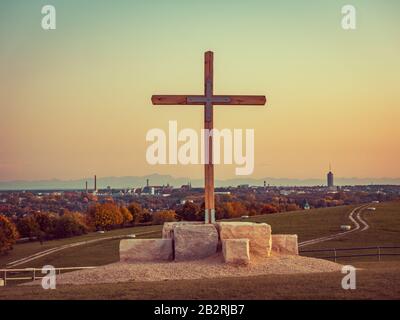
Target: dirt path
{"points": [[360, 225]]}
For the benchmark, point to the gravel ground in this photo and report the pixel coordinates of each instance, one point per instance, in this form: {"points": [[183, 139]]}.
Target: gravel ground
{"points": [[212, 267]]}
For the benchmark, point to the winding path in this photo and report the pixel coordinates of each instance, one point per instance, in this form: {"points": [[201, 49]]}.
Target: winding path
{"points": [[360, 225]]}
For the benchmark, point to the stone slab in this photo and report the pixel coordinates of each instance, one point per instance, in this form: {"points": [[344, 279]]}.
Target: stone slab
{"points": [[259, 235], [168, 227], [140, 250], [193, 242], [236, 251], [285, 243]]}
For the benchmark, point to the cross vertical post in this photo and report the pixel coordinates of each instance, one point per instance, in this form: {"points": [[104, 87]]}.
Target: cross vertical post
{"points": [[208, 126]]}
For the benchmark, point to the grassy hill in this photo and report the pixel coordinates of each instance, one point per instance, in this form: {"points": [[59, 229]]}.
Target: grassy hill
{"points": [[375, 280]]}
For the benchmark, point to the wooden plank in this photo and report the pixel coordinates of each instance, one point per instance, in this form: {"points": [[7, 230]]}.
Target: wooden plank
{"points": [[234, 100], [173, 100], [244, 100]]}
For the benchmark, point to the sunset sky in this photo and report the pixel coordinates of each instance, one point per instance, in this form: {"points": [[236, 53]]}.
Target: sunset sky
{"points": [[76, 100]]}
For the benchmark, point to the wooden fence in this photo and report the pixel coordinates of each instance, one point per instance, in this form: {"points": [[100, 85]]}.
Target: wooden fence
{"points": [[376, 251], [30, 273]]}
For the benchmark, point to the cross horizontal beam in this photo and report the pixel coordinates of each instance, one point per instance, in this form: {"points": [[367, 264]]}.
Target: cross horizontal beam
{"points": [[201, 100]]}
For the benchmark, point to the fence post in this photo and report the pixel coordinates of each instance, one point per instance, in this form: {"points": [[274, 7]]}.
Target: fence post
{"points": [[379, 254], [334, 251]]}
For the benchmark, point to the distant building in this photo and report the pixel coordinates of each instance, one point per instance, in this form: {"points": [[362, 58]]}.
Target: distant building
{"points": [[330, 179]]}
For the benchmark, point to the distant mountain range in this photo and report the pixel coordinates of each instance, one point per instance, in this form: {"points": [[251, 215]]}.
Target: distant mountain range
{"points": [[157, 179]]}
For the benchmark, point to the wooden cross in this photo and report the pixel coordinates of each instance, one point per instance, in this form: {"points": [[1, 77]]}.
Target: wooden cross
{"points": [[208, 100]]}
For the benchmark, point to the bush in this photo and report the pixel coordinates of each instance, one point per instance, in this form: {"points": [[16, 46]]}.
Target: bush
{"points": [[8, 234], [160, 217], [269, 208]]}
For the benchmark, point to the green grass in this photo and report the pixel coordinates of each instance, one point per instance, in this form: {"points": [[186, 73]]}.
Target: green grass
{"points": [[375, 281], [384, 229], [306, 224]]}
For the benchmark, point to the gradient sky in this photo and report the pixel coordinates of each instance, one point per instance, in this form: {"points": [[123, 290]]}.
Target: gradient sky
{"points": [[76, 101]]}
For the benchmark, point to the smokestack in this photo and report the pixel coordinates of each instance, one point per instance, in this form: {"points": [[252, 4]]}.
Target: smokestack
{"points": [[95, 183], [86, 187], [147, 182]]}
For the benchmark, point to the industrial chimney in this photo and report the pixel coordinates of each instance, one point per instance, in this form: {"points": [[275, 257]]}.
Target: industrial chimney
{"points": [[95, 183]]}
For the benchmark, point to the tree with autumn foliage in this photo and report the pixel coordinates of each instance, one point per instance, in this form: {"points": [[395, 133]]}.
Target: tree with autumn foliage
{"points": [[269, 208], [162, 216], [189, 212], [146, 216], [28, 227], [8, 234], [126, 215], [137, 212], [47, 223], [105, 216], [68, 226], [237, 209]]}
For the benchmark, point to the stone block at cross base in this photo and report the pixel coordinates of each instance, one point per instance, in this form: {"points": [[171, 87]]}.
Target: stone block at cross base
{"points": [[168, 227], [142, 250], [285, 243], [236, 251], [193, 242], [259, 235]]}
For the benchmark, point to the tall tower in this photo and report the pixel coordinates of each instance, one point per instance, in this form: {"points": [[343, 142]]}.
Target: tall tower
{"points": [[330, 178], [95, 183]]}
